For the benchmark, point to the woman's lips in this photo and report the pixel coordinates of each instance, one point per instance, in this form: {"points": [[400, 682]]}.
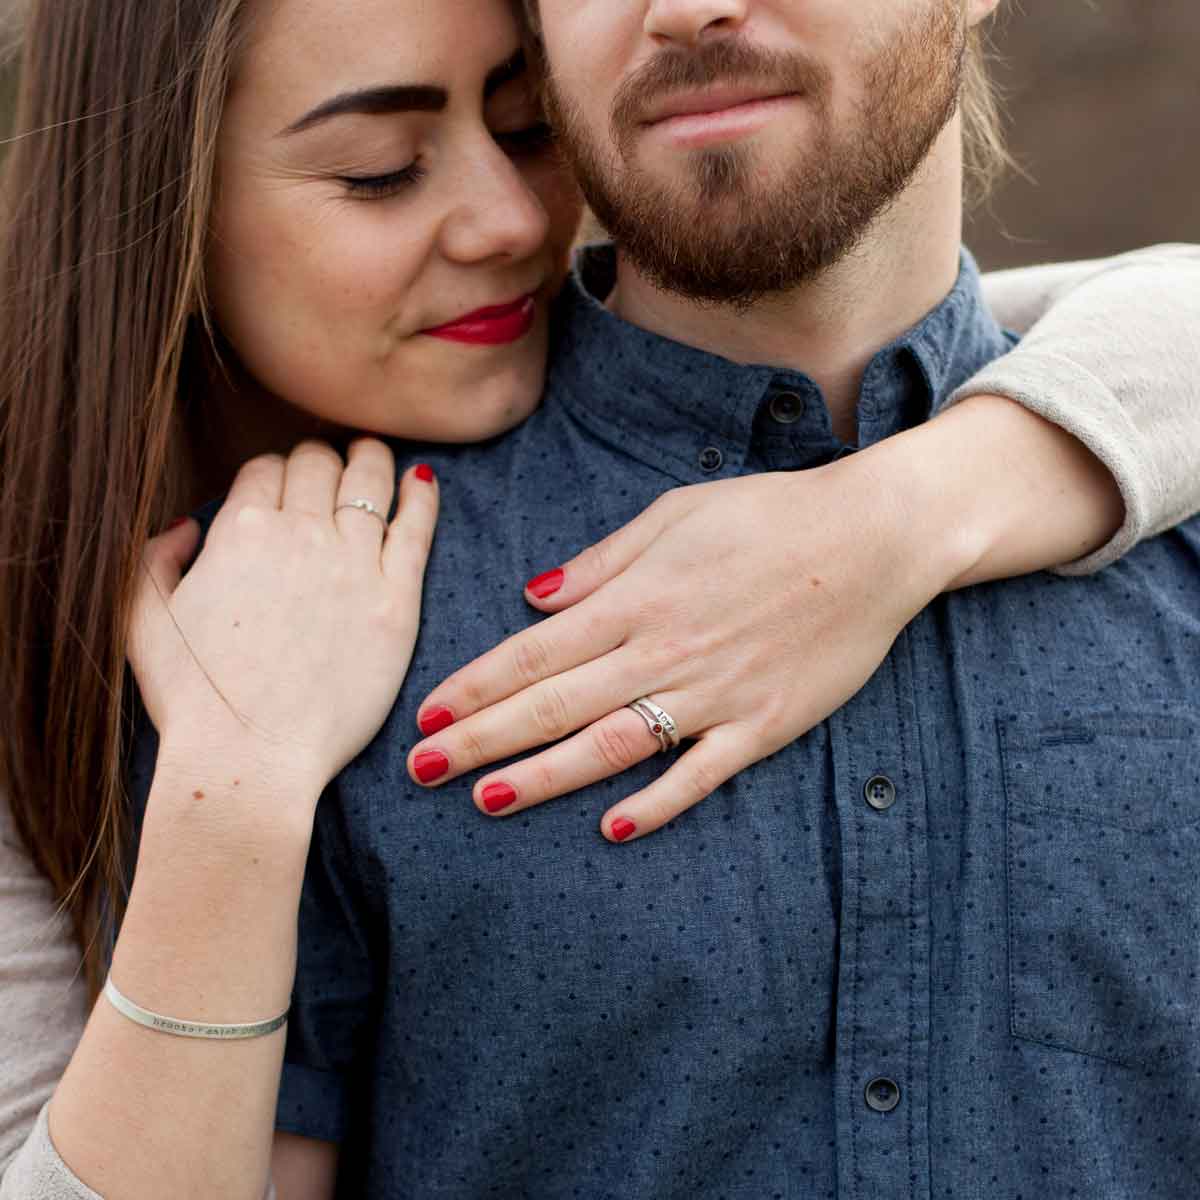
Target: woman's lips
{"points": [[496, 326]]}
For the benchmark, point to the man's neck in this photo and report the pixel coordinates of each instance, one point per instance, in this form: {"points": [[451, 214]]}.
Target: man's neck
{"points": [[831, 327]]}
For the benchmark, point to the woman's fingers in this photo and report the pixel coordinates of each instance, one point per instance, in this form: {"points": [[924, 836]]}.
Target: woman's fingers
{"points": [[370, 476], [563, 586], [616, 742], [544, 713], [164, 561], [712, 761], [311, 479], [258, 484], [410, 535], [523, 661]]}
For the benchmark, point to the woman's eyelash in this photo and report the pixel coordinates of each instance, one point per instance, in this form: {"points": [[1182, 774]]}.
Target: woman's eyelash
{"points": [[530, 140], [379, 187]]}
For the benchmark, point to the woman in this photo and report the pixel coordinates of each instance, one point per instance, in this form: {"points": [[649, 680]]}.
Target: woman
{"points": [[140, 371]]}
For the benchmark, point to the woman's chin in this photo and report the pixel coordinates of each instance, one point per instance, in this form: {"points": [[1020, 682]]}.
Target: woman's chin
{"points": [[463, 415]]}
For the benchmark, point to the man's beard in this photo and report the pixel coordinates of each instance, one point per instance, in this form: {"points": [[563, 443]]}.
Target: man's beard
{"points": [[720, 235]]}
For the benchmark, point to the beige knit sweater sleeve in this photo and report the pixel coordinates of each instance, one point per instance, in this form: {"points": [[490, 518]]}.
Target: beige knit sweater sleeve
{"points": [[1112, 353]]}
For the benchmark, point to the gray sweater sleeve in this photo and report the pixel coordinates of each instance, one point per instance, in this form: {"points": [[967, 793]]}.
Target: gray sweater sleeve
{"points": [[44, 1003], [1111, 353], [37, 1172]]}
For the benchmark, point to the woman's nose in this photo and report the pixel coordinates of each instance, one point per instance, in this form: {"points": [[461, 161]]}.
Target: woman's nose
{"points": [[497, 216]]}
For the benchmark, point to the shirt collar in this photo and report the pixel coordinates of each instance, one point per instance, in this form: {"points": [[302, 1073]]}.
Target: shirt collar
{"points": [[675, 405]]}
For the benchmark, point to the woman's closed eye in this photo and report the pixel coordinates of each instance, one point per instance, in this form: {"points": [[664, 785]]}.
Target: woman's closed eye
{"points": [[381, 187], [531, 140]]}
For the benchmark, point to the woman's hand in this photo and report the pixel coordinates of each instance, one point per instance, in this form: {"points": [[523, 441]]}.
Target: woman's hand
{"points": [[284, 646], [751, 609]]}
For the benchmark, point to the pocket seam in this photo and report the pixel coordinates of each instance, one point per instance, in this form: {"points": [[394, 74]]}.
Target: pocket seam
{"points": [[1031, 744]]}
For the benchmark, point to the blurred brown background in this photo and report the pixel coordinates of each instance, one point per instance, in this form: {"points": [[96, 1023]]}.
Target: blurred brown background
{"points": [[1103, 98]]}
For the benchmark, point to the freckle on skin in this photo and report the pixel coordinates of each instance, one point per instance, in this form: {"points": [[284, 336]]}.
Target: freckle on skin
{"points": [[197, 795], [237, 624], [815, 582]]}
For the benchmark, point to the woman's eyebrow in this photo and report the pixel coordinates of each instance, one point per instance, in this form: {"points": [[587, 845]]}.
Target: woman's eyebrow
{"points": [[399, 98], [395, 98]]}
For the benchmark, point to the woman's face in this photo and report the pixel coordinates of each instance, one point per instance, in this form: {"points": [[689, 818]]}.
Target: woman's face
{"points": [[391, 218]]}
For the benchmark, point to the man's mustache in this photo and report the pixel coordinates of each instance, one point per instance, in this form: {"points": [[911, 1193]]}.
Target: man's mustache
{"points": [[728, 61]]}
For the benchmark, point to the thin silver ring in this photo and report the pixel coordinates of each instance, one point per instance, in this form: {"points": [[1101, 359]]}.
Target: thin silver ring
{"points": [[363, 506], [658, 721]]}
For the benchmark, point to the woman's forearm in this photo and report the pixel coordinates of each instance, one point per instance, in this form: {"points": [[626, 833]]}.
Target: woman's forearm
{"points": [[210, 935], [999, 492]]}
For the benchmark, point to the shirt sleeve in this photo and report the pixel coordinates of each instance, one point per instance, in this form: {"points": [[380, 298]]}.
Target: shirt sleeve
{"points": [[330, 1024], [1111, 353]]}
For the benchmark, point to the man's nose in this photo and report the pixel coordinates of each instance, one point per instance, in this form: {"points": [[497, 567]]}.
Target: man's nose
{"points": [[499, 216], [688, 21]]}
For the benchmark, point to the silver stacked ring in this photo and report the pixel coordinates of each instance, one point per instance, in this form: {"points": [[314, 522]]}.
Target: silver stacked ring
{"points": [[659, 722], [363, 506]]}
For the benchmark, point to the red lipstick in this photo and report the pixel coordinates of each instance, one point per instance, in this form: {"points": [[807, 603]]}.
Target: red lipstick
{"points": [[496, 326]]}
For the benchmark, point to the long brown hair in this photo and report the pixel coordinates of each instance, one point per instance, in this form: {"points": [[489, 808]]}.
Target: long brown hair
{"points": [[104, 351]]}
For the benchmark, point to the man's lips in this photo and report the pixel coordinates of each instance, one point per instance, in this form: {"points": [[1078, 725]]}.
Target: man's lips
{"points": [[494, 326], [708, 101], [715, 116]]}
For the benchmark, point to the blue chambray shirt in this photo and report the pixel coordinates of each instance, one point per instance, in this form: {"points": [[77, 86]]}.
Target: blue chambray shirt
{"points": [[946, 945]]}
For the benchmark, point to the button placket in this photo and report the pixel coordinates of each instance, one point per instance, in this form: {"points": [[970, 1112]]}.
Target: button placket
{"points": [[883, 993]]}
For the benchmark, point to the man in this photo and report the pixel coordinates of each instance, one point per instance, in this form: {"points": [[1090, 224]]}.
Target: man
{"points": [[941, 945]]}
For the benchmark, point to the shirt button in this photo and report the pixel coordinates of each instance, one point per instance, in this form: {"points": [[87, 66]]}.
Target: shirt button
{"points": [[787, 408], [711, 459], [883, 1094], [880, 793]]}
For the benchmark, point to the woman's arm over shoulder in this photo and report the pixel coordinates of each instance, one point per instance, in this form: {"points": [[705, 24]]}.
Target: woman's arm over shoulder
{"points": [[1112, 355], [45, 998]]}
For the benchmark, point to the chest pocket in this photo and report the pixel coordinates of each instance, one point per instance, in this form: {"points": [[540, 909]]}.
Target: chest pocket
{"points": [[1103, 879]]}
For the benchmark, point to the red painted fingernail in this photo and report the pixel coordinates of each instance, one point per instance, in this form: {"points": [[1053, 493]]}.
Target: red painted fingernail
{"points": [[434, 720], [544, 586], [623, 829], [425, 473], [175, 524], [430, 765], [498, 796]]}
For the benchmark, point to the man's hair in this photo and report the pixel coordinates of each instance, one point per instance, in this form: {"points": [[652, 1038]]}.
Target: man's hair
{"points": [[985, 156]]}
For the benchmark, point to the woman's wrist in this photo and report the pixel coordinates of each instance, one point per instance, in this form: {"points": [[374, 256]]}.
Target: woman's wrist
{"points": [[235, 789], [210, 928], [907, 502], [994, 490]]}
